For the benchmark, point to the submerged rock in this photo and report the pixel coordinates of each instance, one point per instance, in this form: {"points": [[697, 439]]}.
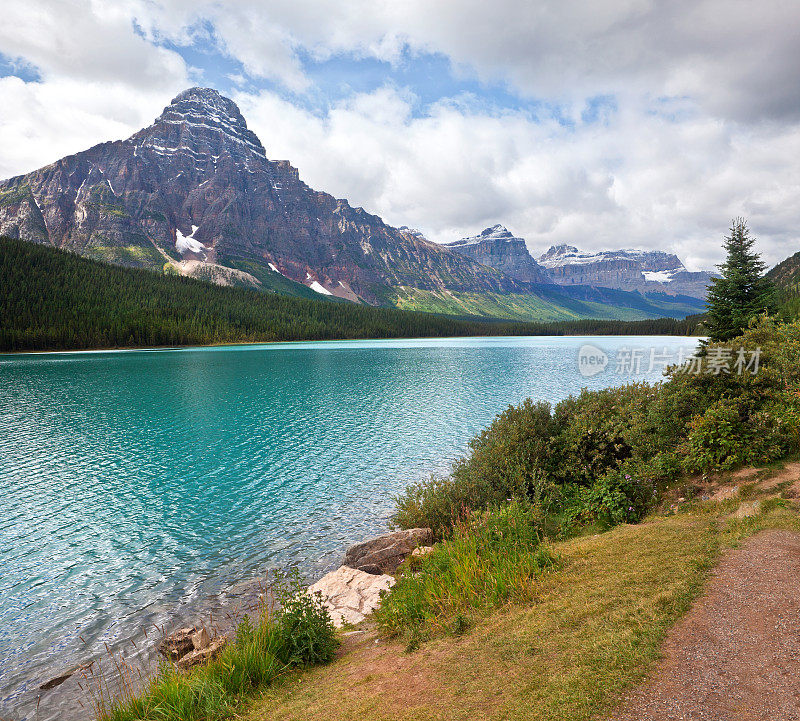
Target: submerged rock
{"points": [[57, 681], [385, 553], [351, 595]]}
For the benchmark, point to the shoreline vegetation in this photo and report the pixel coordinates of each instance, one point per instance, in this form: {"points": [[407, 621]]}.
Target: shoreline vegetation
{"points": [[605, 508], [52, 300], [566, 543]]}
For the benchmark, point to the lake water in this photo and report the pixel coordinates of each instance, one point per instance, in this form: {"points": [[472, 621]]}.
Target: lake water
{"points": [[135, 486]]}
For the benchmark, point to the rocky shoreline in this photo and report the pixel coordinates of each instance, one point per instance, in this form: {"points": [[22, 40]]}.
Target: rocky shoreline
{"points": [[350, 593]]}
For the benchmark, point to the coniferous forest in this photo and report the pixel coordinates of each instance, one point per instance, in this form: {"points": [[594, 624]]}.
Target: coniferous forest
{"points": [[55, 300]]}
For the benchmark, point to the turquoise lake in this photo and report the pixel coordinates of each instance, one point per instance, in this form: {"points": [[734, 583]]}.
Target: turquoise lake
{"points": [[136, 486]]}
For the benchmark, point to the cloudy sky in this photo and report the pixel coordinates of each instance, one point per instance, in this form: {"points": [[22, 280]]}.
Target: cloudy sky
{"points": [[610, 124]]}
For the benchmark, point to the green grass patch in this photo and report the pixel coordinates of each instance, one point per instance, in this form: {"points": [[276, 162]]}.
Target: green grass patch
{"points": [[296, 635], [492, 559], [592, 629]]}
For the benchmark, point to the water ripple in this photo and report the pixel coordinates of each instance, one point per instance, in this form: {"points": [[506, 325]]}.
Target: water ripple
{"points": [[134, 484]]}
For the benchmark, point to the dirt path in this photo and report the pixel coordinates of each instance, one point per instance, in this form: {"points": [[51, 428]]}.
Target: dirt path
{"points": [[736, 654]]}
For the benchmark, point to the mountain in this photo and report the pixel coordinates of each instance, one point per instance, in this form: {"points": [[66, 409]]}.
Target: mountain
{"points": [[637, 270], [498, 248], [786, 274], [195, 194]]}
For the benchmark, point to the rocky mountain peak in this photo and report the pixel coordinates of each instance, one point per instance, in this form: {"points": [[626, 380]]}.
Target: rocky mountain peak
{"points": [[206, 100], [498, 231], [498, 248], [204, 121], [558, 251]]}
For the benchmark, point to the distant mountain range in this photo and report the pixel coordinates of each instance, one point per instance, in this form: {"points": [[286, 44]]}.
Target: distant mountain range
{"points": [[640, 270], [195, 194], [633, 270]]}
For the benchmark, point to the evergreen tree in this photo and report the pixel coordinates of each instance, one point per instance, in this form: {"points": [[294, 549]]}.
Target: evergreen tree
{"points": [[742, 291]]}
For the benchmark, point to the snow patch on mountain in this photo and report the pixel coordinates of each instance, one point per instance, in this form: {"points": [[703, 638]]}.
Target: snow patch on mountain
{"points": [[317, 286], [188, 243], [560, 256], [658, 276]]}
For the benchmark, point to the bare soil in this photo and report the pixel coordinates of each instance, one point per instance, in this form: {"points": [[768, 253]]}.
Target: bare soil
{"points": [[736, 654]]}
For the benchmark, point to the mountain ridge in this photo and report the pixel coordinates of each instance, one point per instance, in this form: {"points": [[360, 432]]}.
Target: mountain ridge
{"points": [[198, 172], [195, 194], [625, 269]]}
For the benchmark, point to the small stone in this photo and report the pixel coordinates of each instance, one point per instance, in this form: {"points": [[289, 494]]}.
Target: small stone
{"points": [[178, 643], [421, 551], [204, 655]]}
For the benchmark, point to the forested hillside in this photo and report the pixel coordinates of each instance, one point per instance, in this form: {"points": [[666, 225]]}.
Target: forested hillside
{"points": [[786, 276], [53, 300]]}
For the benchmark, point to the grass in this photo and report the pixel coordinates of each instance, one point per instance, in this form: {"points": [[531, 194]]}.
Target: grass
{"points": [[494, 625], [294, 630], [495, 558], [212, 692], [588, 631]]}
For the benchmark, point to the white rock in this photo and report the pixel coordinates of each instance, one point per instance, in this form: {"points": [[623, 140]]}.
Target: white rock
{"points": [[351, 595]]}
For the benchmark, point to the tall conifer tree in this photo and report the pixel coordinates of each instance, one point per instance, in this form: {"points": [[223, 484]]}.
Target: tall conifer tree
{"points": [[742, 291]]}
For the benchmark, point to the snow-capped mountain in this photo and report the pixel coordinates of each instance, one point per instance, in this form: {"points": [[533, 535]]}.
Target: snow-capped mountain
{"points": [[498, 248], [195, 193], [629, 269]]}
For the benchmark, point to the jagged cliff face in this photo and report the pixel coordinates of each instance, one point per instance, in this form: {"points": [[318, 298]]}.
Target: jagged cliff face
{"points": [[498, 248], [635, 270], [195, 193]]}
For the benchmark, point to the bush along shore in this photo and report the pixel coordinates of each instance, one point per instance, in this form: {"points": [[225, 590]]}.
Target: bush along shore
{"points": [[596, 460], [487, 536]]}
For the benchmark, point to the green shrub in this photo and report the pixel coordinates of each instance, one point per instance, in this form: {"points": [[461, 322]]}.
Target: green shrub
{"points": [[729, 434], [304, 625], [618, 497]]}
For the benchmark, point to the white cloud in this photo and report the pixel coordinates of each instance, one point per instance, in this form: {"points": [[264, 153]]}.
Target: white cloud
{"points": [[87, 39], [643, 180], [41, 122], [735, 59], [706, 126]]}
